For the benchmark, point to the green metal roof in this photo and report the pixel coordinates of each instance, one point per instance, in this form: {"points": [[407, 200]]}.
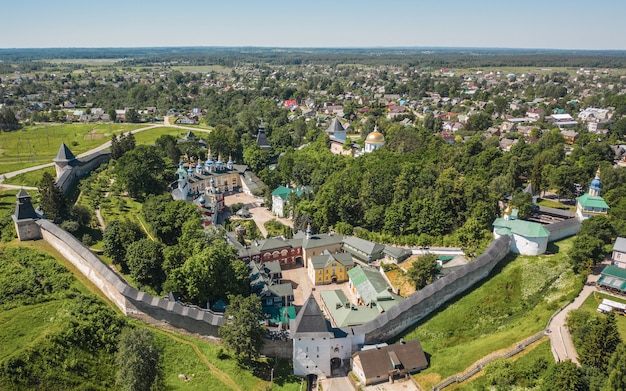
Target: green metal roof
{"points": [[588, 201], [613, 277], [522, 228], [345, 314], [283, 191], [370, 284]]}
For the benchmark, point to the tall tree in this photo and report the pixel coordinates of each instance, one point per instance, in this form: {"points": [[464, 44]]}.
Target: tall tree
{"points": [[564, 376], [53, 202], [8, 120], [117, 237], [423, 271], [243, 332], [141, 172], [145, 262], [616, 370], [600, 342], [137, 359]]}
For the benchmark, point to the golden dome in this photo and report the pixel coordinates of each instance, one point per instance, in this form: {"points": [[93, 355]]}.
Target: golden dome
{"points": [[375, 137], [508, 210]]}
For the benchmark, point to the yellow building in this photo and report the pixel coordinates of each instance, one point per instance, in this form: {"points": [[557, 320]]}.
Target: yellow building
{"points": [[328, 268]]}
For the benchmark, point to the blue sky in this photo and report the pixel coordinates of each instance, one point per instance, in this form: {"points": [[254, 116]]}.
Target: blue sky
{"points": [[557, 24]]}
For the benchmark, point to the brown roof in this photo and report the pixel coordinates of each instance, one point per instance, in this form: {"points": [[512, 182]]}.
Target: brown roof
{"points": [[378, 362]]}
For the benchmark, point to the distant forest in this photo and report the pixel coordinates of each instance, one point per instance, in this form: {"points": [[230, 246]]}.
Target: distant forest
{"points": [[413, 57]]}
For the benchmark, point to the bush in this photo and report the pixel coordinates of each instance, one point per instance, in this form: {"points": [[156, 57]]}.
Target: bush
{"points": [[88, 240]]}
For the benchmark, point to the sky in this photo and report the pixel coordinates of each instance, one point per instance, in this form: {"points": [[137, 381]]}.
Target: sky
{"points": [[549, 24]]}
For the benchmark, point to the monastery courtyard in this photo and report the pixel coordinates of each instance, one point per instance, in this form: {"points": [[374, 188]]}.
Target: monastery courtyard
{"points": [[301, 283]]}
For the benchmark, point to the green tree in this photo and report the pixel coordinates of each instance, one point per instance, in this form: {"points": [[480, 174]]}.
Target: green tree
{"points": [[256, 158], [141, 172], [243, 331], [8, 120], [169, 145], [423, 271], [500, 373], [599, 227], [616, 370], [212, 274], [117, 237], [600, 342], [585, 252], [53, 202], [564, 376], [137, 359], [167, 217], [145, 262], [131, 116]]}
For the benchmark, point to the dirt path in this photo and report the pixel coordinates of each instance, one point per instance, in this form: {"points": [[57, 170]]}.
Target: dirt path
{"points": [[218, 373]]}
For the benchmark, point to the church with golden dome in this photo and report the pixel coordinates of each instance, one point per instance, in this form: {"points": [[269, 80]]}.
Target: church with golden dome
{"points": [[374, 140]]}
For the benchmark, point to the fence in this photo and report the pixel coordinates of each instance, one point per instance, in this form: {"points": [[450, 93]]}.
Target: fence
{"points": [[480, 364]]}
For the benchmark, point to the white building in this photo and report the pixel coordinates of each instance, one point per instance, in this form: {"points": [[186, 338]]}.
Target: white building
{"points": [[317, 349], [527, 237]]}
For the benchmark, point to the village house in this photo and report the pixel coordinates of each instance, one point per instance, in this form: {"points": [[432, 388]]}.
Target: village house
{"points": [[385, 363]]}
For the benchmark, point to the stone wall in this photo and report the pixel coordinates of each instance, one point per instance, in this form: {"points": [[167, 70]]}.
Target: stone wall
{"points": [[563, 229], [419, 305], [125, 297], [197, 320], [82, 168], [278, 348]]}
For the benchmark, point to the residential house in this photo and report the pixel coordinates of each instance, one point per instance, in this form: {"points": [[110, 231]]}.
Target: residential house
{"points": [[618, 255], [386, 363], [570, 136], [395, 255], [329, 268]]}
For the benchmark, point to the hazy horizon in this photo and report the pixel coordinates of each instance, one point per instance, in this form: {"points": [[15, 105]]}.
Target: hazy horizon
{"points": [[532, 24]]}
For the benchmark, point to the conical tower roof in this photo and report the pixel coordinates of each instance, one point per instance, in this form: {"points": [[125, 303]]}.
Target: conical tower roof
{"points": [[310, 322], [64, 155], [335, 127]]}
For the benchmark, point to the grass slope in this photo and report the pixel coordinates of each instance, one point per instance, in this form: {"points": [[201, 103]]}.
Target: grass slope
{"points": [[41, 298], [515, 302]]}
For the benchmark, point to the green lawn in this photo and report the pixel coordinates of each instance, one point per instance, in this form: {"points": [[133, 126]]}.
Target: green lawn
{"points": [[556, 205], [206, 365], [8, 200], [524, 364], [38, 144], [30, 178], [514, 303]]}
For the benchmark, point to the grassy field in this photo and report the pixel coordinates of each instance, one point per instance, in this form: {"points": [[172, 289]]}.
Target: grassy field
{"points": [[515, 302], [39, 144], [206, 365], [30, 178], [555, 204], [529, 358]]}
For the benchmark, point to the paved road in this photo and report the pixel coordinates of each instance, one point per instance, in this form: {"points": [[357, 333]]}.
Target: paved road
{"points": [[560, 338], [87, 153]]}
